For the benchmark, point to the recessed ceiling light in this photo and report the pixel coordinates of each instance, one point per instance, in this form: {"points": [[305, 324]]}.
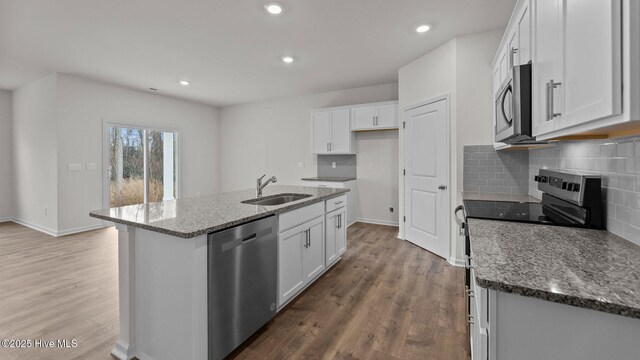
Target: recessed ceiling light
{"points": [[287, 59], [185, 82], [273, 8], [423, 29]]}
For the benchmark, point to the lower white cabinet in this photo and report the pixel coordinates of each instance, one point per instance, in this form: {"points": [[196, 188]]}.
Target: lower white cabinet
{"points": [[507, 326], [336, 238], [300, 257], [352, 195]]}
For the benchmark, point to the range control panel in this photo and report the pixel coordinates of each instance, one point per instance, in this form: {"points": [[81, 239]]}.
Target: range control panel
{"points": [[568, 186]]}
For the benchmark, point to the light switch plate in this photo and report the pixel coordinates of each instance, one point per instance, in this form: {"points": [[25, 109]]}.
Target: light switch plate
{"points": [[333, 164], [370, 166], [301, 164], [91, 167], [72, 167]]}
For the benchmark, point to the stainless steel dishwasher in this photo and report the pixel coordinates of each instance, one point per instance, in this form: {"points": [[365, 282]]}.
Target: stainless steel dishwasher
{"points": [[242, 283]]}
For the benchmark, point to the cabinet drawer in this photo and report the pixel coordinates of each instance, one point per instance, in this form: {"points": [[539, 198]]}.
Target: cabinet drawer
{"points": [[300, 216], [336, 203]]}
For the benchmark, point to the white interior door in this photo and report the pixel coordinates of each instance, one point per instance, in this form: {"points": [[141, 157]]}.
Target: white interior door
{"points": [[427, 176]]}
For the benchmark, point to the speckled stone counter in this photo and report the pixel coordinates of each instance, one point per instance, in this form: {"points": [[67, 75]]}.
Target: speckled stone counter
{"points": [[329, 178], [498, 197], [190, 217], [592, 269]]}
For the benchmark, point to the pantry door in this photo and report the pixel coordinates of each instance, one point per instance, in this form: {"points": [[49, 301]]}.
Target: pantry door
{"points": [[426, 156]]}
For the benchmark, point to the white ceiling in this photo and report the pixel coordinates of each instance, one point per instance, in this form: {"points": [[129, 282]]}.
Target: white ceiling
{"points": [[230, 49]]}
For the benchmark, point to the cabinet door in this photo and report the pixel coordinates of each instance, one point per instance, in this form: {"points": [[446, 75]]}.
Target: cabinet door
{"points": [[497, 80], [546, 65], [321, 132], [291, 277], [341, 233], [503, 65], [523, 55], [340, 132], [387, 116], [592, 61], [313, 259], [331, 233], [364, 118], [512, 52]]}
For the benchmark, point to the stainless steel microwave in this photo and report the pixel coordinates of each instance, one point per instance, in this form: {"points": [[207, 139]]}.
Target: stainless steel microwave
{"points": [[513, 107]]}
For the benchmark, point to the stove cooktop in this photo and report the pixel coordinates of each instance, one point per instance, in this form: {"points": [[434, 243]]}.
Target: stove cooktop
{"points": [[512, 211]]}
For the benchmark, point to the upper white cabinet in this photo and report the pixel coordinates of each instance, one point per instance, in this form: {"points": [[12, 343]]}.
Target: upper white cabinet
{"points": [[375, 116], [585, 56], [547, 74], [331, 132], [578, 63]]}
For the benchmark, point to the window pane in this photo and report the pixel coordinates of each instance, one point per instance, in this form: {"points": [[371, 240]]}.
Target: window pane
{"points": [[162, 178], [126, 166]]}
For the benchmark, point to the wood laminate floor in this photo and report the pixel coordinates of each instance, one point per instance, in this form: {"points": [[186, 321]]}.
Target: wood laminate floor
{"points": [[386, 299]]}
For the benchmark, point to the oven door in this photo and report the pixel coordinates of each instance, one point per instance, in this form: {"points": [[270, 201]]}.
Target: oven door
{"points": [[503, 110]]}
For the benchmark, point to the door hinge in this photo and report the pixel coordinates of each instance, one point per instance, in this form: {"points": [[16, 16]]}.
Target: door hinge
{"points": [[404, 219], [404, 124]]}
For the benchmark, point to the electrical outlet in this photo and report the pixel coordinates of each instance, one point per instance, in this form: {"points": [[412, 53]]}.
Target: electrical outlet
{"points": [[333, 164], [301, 164], [371, 166], [390, 209]]}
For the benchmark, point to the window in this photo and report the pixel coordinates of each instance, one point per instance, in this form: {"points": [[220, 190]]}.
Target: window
{"points": [[141, 165]]}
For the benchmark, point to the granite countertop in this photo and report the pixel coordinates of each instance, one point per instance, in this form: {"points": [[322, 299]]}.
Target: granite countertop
{"points": [[191, 217], [466, 195], [329, 178], [592, 269]]}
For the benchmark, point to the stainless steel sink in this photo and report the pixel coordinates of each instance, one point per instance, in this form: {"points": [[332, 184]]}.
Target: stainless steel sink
{"points": [[277, 199]]}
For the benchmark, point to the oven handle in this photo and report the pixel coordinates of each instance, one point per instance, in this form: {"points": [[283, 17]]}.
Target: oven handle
{"points": [[504, 97], [461, 224]]}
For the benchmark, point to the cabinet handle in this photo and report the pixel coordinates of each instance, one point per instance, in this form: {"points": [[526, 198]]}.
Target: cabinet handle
{"points": [[513, 52], [551, 86], [327, 146], [330, 146], [337, 203]]}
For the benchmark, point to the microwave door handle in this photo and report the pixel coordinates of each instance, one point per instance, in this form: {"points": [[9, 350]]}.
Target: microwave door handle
{"points": [[508, 120]]}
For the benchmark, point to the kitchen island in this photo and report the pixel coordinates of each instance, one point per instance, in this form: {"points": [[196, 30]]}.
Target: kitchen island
{"points": [[163, 261]]}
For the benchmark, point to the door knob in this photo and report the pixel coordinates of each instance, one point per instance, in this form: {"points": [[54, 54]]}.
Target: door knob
{"points": [[442, 187]]}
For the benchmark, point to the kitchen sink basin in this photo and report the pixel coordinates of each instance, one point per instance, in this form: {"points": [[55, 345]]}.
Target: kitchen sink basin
{"points": [[277, 199]]}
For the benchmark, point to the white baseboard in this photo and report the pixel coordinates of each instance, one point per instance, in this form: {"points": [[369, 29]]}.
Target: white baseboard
{"points": [[456, 262], [36, 227], [5, 219], [401, 236], [81, 229], [56, 233], [377, 222]]}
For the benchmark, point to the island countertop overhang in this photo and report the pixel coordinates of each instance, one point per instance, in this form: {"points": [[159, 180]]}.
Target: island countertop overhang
{"points": [[194, 216]]}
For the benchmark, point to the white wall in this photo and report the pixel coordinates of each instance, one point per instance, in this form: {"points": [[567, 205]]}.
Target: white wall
{"points": [[462, 69], [82, 107], [6, 188], [273, 137], [432, 75], [35, 161], [59, 120]]}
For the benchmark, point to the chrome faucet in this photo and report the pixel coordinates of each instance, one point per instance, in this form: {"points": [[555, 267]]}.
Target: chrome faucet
{"points": [[260, 185]]}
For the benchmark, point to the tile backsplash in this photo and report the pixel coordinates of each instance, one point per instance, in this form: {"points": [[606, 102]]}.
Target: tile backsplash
{"points": [[617, 161], [345, 165], [489, 171]]}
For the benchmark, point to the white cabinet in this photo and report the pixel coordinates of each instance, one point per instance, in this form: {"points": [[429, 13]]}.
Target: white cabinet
{"points": [[577, 64], [378, 116], [352, 195], [546, 74], [331, 132], [300, 257], [336, 232], [592, 61]]}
